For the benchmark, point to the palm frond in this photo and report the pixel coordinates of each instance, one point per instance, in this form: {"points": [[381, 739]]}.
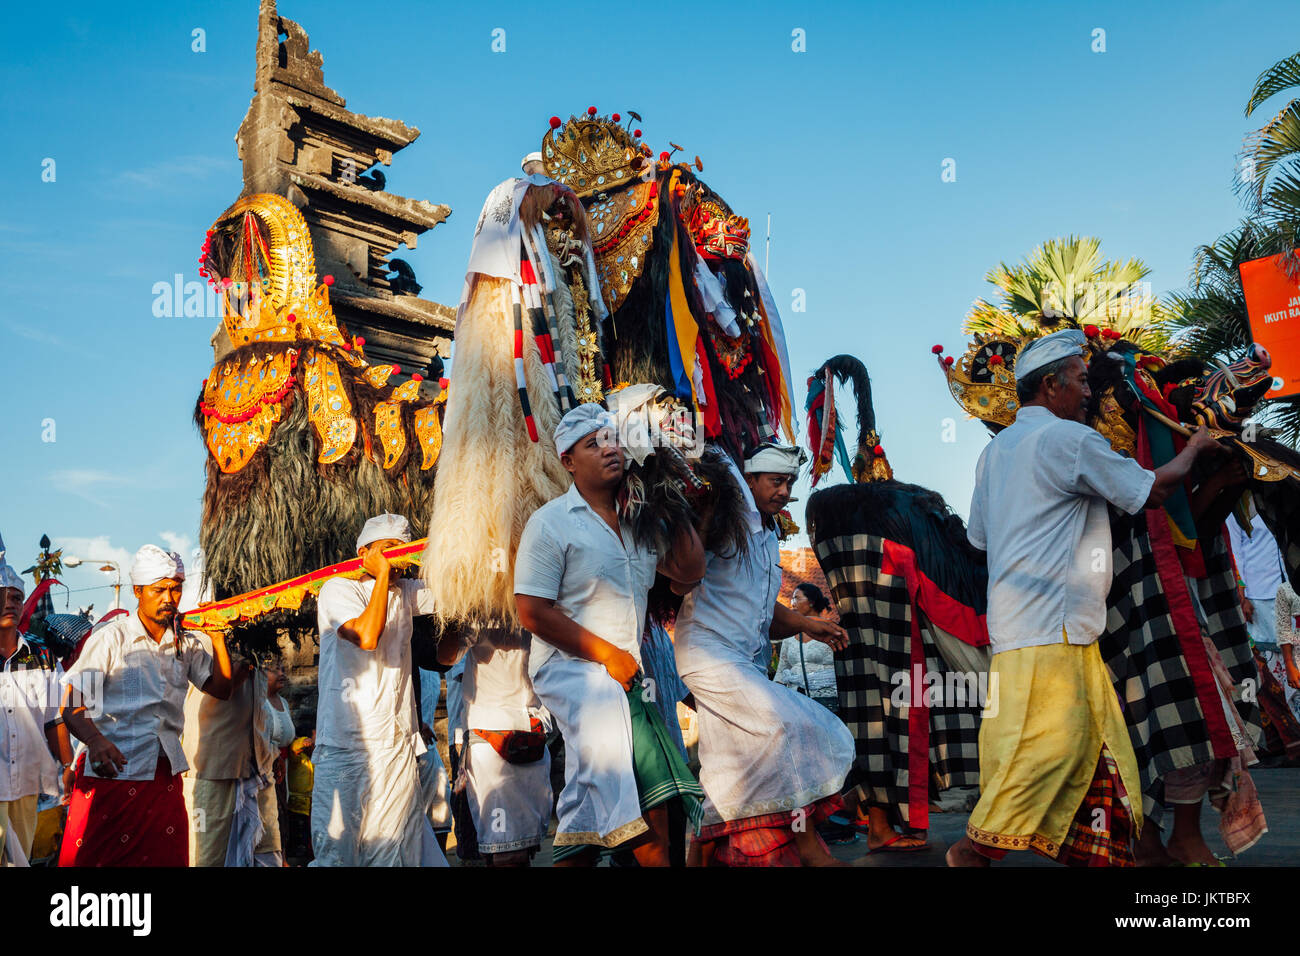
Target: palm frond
{"points": [[1282, 75]]}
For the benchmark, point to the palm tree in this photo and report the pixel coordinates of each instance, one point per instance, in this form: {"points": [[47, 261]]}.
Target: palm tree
{"points": [[1066, 283], [1209, 319]]}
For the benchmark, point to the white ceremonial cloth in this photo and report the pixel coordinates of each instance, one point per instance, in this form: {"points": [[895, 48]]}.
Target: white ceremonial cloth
{"points": [[599, 804], [510, 803], [1040, 511], [602, 580], [143, 691], [365, 697], [365, 807], [763, 747]]}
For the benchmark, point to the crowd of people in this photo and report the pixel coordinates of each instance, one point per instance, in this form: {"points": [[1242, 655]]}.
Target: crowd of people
{"points": [[165, 749]]}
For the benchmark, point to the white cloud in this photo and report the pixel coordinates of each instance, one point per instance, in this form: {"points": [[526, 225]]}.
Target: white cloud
{"points": [[182, 544], [82, 482]]}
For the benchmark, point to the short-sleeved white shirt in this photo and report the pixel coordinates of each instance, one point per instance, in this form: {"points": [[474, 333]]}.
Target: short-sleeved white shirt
{"points": [[602, 580], [143, 687], [364, 698], [29, 699], [725, 619], [1039, 510]]}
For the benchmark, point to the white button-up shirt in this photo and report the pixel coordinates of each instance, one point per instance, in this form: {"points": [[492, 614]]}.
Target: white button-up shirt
{"points": [[365, 699], [1258, 558], [602, 580], [725, 620], [1039, 510], [143, 685], [29, 699]]}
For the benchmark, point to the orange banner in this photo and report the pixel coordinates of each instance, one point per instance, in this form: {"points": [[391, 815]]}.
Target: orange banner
{"points": [[288, 595], [1273, 308]]}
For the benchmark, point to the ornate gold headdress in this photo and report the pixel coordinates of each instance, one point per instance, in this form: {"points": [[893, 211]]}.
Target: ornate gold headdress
{"points": [[259, 256], [592, 154]]}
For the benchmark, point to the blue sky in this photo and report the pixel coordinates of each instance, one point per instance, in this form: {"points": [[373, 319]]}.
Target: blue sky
{"points": [[841, 144]]}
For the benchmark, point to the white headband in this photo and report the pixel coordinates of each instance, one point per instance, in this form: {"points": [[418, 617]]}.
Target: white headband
{"points": [[580, 422], [1049, 349], [384, 526], [153, 563], [777, 459]]}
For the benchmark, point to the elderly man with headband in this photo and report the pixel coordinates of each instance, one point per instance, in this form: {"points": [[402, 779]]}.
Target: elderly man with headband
{"points": [[582, 583], [772, 761], [124, 698], [366, 805], [1057, 749]]}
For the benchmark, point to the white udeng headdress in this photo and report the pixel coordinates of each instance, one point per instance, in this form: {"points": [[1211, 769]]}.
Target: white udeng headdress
{"points": [[384, 526], [153, 563], [1049, 349]]}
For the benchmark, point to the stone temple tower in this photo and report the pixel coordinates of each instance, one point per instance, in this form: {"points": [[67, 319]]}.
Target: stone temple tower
{"points": [[299, 140]]}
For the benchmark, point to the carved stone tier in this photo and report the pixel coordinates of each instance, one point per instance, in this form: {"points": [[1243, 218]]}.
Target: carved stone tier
{"points": [[299, 140]]}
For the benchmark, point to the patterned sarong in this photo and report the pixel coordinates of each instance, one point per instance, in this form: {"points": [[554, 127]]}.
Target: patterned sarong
{"points": [[126, 822], [768, 840], [1167, 690], [901, 750]]}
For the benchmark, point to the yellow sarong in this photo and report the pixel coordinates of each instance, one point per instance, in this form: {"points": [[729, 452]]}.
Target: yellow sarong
{"points": [[1056, 707]]}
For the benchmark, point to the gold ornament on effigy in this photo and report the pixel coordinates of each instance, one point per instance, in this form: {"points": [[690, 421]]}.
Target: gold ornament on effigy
{"points": [[389, 432], [328, 407], [428, 430], [591, 155], [622, 231], [589, 377]]}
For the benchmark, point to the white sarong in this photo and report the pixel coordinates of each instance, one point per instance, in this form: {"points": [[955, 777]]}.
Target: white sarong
{"points": [[599, 804], [510, 803], [365, 807], [764, 748]]}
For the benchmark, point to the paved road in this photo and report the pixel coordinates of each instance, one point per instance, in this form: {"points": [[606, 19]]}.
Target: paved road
{"points": [[1279, 792]]}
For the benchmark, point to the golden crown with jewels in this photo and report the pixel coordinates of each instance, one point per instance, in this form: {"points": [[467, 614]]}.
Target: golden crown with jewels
{"points": [[592, 154]]}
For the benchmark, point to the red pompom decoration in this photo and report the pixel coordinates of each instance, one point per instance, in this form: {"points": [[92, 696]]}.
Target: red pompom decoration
{"points": [[360, 341], [328, 280], [948, 361], [591, 111], [293, 317], [1091, 331], [636, 133], [555, 122], [878, 451], [664, 156], [937, 350], [615, 117], [397, 370], [995, 359], [346, 347], [417, 377], [444, 382]]}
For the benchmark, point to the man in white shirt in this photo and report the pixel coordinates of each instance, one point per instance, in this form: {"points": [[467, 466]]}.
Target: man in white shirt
{"points": [[365, 805], [1259, 566], [772, 761], [1058, 747], [582, 583], [33, 740], [124, 699]]}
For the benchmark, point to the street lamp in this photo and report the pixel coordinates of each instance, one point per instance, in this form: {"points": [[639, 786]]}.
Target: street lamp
{"points": [[109, 565]]}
